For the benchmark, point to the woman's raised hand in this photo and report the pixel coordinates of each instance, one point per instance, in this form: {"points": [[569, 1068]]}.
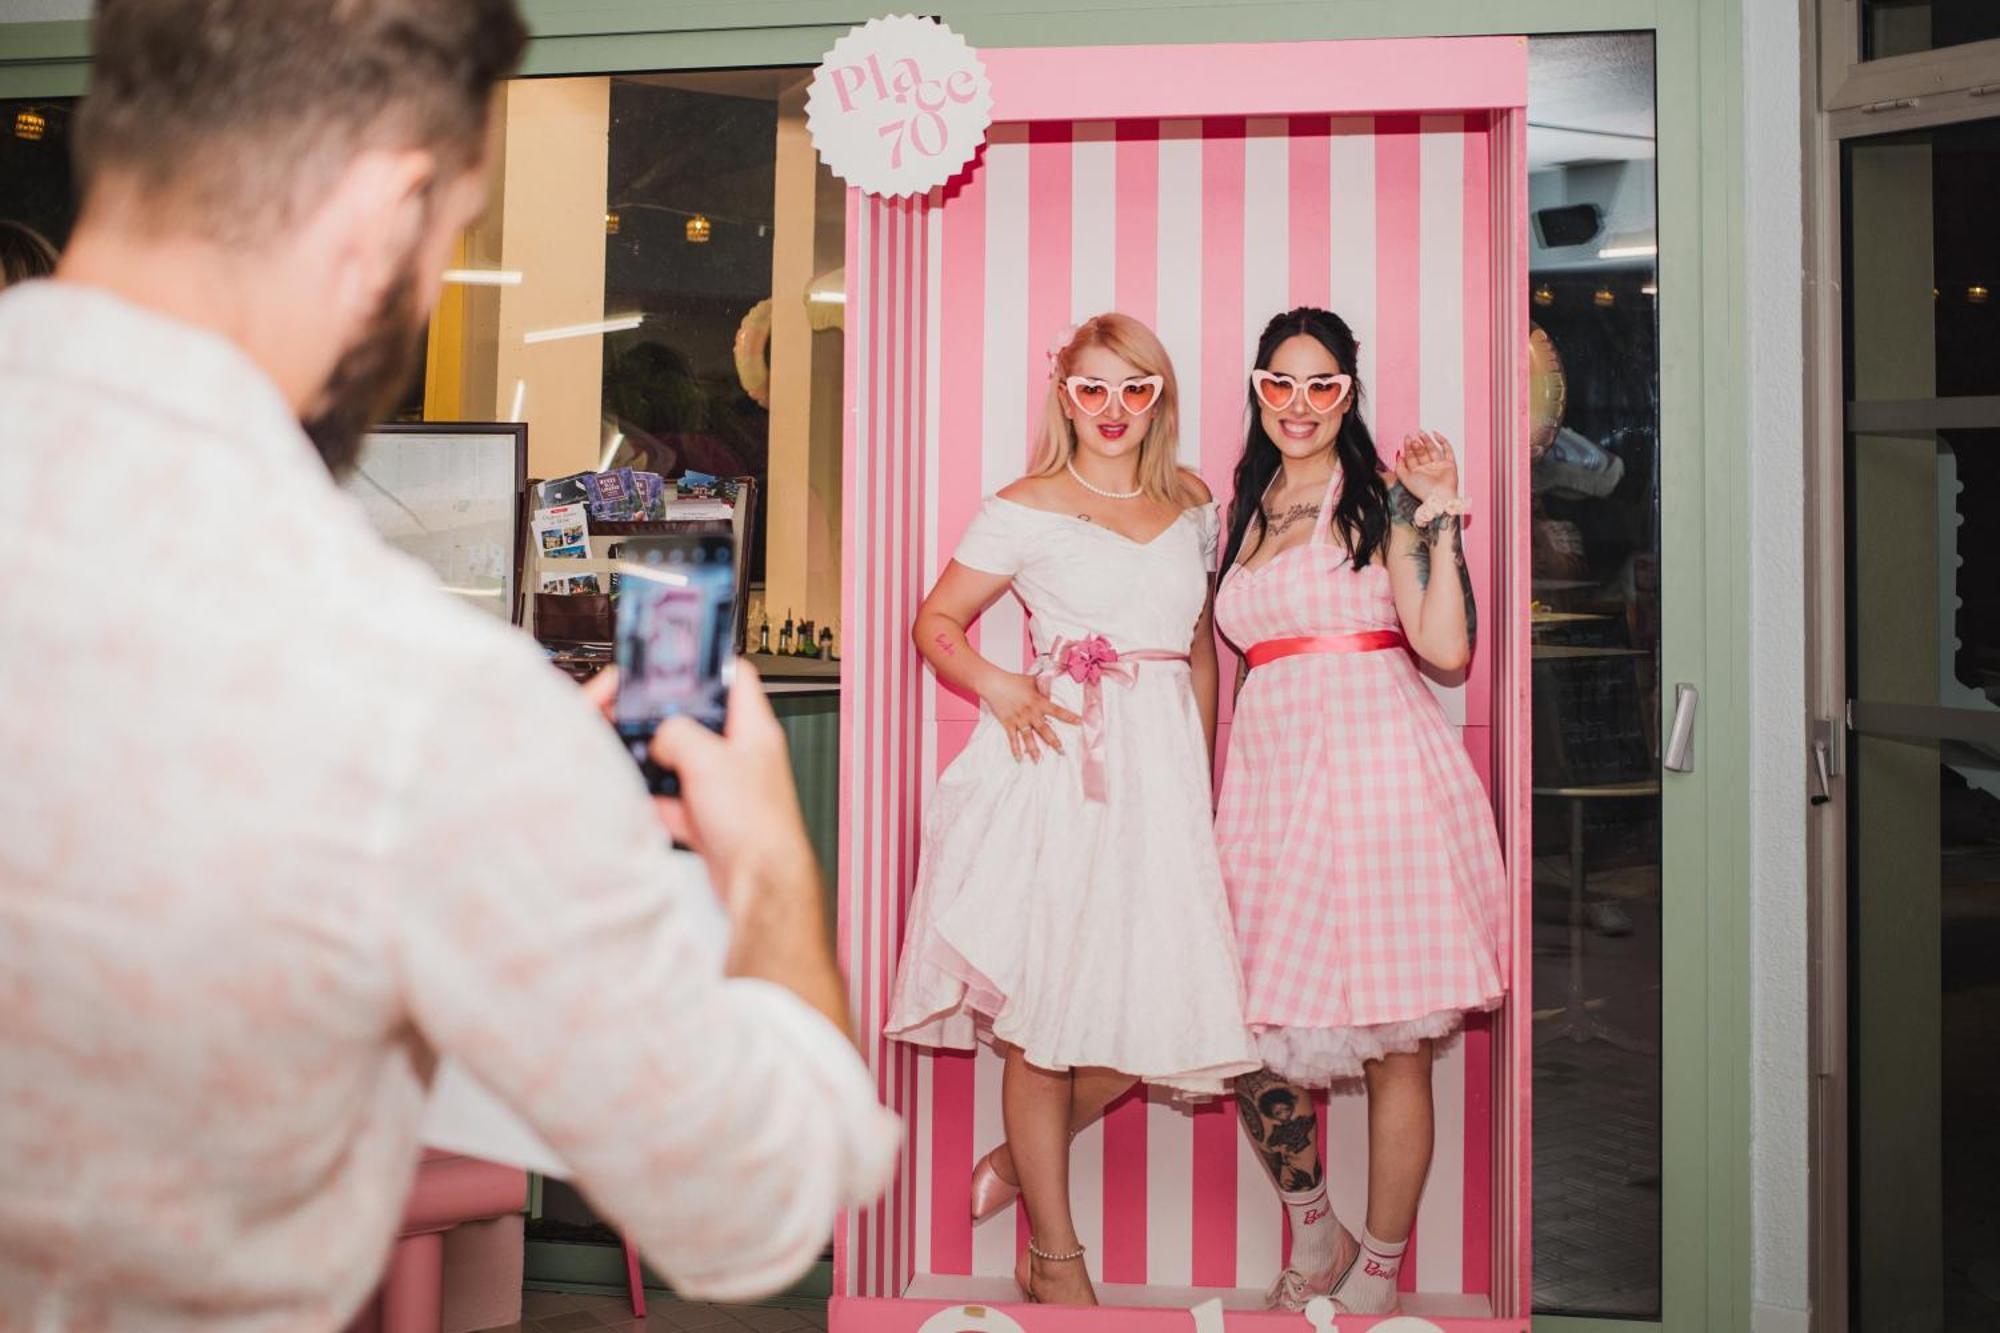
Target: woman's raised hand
{"points": [[1427, 466], [1026, 713]]}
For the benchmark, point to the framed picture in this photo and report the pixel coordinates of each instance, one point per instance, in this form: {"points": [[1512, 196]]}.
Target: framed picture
{"points": [[449, 493]]}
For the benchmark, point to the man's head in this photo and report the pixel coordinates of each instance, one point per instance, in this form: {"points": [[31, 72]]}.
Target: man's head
{"points": [[327, 150]]}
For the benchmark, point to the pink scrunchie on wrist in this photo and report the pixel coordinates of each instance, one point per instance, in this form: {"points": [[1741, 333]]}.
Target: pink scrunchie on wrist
{"points": [[1437, 506]]}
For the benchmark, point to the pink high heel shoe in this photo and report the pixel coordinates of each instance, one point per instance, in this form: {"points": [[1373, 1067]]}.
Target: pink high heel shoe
{"points": [[990, 1190]]}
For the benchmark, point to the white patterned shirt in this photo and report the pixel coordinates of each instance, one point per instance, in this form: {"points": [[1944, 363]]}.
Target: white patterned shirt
{"points": [[280, 824]]}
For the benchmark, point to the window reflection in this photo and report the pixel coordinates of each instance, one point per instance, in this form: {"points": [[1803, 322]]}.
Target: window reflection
{"points": [[1596, 680]]}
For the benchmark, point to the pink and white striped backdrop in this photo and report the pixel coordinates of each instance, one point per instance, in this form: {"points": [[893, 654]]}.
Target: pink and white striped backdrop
{"points": [[1203, 228]]}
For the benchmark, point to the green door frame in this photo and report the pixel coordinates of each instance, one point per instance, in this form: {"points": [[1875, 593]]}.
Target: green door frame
{"points": [[1706, 1229]]}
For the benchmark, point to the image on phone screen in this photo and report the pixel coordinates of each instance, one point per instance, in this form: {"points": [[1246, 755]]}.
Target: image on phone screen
{"points": [[676, 633]]}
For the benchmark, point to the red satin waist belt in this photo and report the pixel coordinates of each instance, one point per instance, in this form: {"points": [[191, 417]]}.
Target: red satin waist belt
{"points": [[1369, 641]]}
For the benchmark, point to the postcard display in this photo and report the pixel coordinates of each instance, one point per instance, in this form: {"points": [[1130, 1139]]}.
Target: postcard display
{"points": [[1201, 189]]}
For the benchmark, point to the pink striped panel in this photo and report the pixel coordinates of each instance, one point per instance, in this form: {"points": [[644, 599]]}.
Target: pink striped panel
{"points": [[1482, 484], [1397, 273], [853, 891], [1049, 221], [1138, 204], [963, 350], [1222, 370], [1311, 212], [1206, 1203], [956, 457], [1476, 450]]}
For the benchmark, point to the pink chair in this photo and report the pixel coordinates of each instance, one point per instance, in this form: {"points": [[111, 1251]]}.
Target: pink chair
{"points": [[449, 1191]]}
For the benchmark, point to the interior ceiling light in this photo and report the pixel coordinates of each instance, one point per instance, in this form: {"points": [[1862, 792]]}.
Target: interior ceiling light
{"points": [[30, 124], [611, 223], [616, 324], [484, 277], [698, 229], [1643, 245]]}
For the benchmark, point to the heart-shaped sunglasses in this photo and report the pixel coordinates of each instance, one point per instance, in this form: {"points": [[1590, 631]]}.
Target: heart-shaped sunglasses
{"points": [[1324, 393], [1092, 396]]}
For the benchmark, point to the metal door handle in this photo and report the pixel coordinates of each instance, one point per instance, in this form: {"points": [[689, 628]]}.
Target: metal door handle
{"points": [[1680, 741], [1824, 793]]}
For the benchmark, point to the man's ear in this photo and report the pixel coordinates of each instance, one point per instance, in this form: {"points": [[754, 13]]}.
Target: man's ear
{"points": [[367, 224]]}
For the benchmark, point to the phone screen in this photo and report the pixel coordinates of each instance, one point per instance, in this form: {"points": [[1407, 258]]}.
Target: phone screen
{"points": [[676, 632]]}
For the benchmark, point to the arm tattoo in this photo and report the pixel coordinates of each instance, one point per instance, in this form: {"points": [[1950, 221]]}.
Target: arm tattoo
{"points": [[943, 641], [1283, 1126], [1403, 510]]}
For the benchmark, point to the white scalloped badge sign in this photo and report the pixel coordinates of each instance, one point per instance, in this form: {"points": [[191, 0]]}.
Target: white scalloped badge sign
{"points": [[899, 105]]}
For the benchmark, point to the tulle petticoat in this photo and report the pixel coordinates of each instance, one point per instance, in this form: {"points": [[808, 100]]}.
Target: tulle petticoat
{"points": [[1319, 1057]]}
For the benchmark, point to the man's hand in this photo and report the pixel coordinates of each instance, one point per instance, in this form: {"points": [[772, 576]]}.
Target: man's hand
{"points": [[739, 809], [737, 806]]}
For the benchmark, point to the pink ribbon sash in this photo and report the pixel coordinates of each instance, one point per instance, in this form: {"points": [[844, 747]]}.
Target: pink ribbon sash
{"points": [[1090, 662], [1367, 641]]}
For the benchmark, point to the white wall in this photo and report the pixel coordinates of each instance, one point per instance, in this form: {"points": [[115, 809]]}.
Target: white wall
{"points": [[1773, 259]]}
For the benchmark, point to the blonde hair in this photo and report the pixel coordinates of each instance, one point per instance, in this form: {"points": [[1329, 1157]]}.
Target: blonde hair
{"points": [[1159, 453]]}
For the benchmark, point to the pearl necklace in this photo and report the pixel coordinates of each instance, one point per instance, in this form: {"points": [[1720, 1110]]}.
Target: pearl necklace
{"points": [[1099, 490]]}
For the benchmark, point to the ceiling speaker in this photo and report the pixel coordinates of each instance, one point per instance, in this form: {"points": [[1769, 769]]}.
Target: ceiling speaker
{"points": [[1572, 224]]}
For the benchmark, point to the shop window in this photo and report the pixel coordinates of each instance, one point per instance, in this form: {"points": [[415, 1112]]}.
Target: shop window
{"points": [[1593, 269], [1904, 27], [655, 285]]}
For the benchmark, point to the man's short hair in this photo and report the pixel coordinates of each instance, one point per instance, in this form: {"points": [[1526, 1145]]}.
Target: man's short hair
{"points": [[229, 115]]}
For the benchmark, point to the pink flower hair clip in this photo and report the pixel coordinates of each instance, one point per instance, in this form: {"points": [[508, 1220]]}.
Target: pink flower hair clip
{"points": [[1064, 337]]}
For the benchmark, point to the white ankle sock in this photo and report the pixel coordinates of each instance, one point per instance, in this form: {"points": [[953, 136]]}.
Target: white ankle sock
{"points": [[1370, 1287], [1315, 1230]]}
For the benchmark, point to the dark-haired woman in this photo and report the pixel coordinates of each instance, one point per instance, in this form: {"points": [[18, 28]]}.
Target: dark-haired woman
{"points": [[1358, 847]]}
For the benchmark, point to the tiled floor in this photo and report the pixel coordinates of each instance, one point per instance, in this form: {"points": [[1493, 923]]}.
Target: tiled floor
{"points": [[1597, 1110], [559, 1312]]}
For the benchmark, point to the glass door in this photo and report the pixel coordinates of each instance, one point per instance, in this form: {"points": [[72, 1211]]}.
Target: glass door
{"points": [[1921, 457], [1596, 443]]}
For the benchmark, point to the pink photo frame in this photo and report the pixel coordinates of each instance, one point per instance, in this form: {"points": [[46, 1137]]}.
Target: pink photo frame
{"points": [[1201, 189]]}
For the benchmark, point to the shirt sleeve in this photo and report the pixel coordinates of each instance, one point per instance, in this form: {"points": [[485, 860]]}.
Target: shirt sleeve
{"points": [[551, 941], [992, 541]]}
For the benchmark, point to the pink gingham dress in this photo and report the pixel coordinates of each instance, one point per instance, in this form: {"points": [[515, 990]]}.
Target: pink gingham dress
{"points": [[1356, 841]]}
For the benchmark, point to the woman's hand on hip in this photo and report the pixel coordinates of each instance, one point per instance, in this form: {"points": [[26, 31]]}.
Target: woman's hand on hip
{"points": [[1026, 713]]}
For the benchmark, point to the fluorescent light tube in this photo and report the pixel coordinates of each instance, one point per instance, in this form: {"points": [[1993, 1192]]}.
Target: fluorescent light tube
{"points": [[618, 324]]}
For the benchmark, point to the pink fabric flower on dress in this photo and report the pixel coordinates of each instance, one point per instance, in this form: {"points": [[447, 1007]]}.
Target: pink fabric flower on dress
{"points": [[1086, 660]]}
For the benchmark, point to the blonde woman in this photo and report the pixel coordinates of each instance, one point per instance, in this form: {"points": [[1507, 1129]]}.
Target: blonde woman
{"points": [[1070, 906]]}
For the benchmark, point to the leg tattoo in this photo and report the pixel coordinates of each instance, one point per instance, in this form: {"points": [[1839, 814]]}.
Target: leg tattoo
{"points": [[1283, 1126]]}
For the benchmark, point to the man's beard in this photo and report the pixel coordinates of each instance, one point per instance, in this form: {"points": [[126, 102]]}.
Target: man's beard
{"points": [[370, 377]]}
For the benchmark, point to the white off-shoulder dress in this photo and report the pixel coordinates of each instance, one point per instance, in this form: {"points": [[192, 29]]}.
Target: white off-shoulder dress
{"points": [[1074, 907]]}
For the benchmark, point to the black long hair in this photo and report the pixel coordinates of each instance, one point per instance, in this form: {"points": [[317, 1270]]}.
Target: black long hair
{"points": [[1362, 513]]}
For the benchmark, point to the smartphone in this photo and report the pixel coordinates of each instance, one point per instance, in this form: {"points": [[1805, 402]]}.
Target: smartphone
{"points": [[676, 639]]}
